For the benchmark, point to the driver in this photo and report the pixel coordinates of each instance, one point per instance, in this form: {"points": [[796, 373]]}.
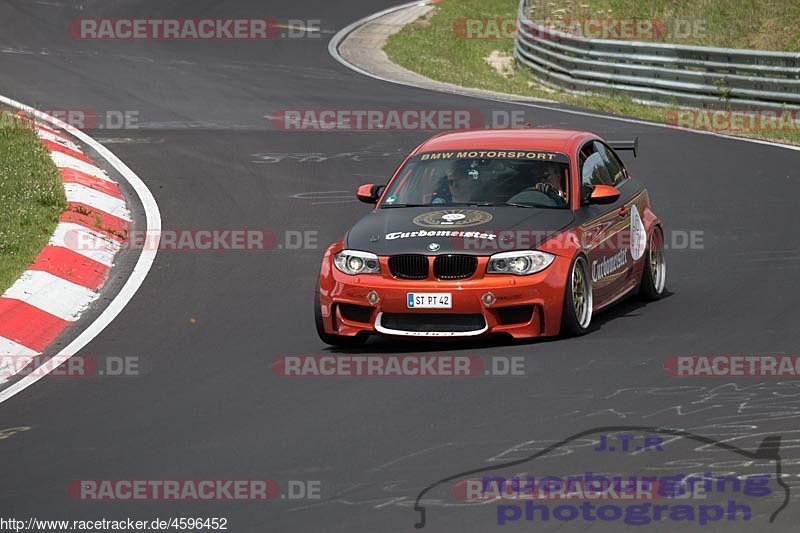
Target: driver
{"points": [[552, 184], [455, 187]]}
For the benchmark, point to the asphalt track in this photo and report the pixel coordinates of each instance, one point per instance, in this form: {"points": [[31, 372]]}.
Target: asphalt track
{"points": [[206, 325]]}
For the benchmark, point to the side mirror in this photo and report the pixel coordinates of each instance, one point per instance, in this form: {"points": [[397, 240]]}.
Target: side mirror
{"points": [[369, 193], [604, 194]]}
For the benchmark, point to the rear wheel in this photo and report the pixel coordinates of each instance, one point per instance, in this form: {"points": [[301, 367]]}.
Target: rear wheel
{"points": [[328, 338], [654, 275], [577, 314]]}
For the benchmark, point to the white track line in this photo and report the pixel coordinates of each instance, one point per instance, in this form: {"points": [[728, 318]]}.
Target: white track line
{"points": [[336, 40], [140, 270]]}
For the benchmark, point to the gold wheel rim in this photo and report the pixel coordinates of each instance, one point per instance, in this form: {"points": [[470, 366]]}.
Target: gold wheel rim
{"points": [[657, 266], [581, 299]]}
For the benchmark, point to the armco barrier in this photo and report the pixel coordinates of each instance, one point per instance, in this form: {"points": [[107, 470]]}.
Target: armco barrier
{"points": [[656, 72]]}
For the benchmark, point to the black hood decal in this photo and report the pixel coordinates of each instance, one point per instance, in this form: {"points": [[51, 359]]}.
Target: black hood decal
{"points": [[438, 230]]}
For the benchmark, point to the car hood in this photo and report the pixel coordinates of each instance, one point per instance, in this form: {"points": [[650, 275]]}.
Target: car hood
{"points": [[473, 231]]}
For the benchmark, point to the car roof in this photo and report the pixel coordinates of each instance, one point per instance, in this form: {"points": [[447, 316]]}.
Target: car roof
{"points": [[549, 139]]}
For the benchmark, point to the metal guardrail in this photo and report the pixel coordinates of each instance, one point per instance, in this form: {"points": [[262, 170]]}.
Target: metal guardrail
{"points": [[660, 73]]}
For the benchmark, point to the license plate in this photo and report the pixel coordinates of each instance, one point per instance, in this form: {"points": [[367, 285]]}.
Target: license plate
{"points": [[429, 300]]}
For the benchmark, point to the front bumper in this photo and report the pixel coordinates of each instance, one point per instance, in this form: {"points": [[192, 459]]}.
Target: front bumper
{"points": [[522, 306]]}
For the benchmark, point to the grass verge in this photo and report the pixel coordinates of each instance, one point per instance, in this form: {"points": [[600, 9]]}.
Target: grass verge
{"points": [[31, 197], [433, 47], [749, 24]]}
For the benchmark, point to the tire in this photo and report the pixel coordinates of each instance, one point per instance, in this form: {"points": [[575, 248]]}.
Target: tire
{"points": [[576, 318], [328, 338], [654, 273]]}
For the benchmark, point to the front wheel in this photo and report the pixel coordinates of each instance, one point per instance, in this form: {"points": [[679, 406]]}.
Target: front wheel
{"points": [[328, 338], [654, 275], [577, 315]]}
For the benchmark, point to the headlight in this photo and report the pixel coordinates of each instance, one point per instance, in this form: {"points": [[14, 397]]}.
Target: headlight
{"points": [[519, 263], [354, 262]]}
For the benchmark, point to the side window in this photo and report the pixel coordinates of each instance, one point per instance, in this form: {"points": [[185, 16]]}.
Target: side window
{"points": [[593, 169], [616, 170]]}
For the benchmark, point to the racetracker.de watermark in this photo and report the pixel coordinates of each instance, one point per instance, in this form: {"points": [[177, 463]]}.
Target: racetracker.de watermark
{"points": [[193, 489], [734, 121], [77, 366], [394, 119], [744, 365], [192, 29], [491, 240], [82, 119], [397, 366], [589, 487], [595, 28], [197, 240]]}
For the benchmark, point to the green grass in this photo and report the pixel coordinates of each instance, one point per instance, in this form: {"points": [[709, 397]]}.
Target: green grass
{"points": [[434, 49], [31, 198], [752, 24]]}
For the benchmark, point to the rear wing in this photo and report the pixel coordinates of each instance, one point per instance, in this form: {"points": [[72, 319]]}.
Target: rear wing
{"points": [[626, 145]]}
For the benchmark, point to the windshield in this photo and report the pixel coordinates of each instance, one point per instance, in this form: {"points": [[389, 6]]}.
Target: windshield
{"points": [[490, 178]]}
